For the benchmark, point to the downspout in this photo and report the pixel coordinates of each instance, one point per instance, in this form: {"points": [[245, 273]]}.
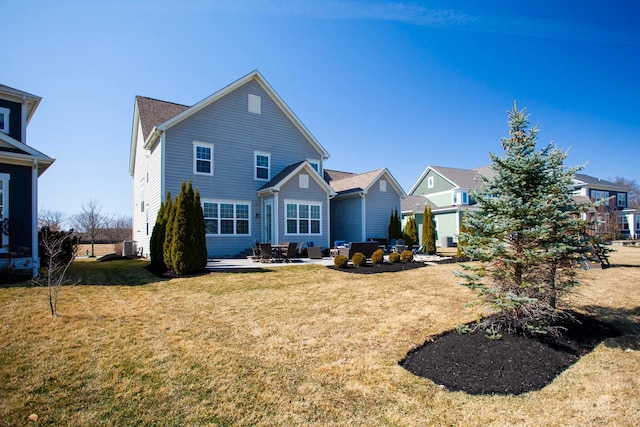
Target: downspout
{"points": [[276, 217], [23, 130], [363, 205], [34, 217]]}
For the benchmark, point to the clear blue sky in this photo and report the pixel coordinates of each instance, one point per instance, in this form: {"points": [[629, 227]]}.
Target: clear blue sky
{"points": [[401, 85]]}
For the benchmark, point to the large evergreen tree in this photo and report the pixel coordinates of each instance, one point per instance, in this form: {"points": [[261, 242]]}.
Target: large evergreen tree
{"points": [[428, 232], [524, 232]]}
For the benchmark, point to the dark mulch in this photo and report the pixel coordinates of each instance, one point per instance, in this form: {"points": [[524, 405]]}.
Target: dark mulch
{"points": [[384, 267], [512, 364]]}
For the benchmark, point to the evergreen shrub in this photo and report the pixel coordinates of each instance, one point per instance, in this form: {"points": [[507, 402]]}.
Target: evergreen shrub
{"points": [[359, 260], [394, 257], [377, 257], [341, 261], [406, 256]]}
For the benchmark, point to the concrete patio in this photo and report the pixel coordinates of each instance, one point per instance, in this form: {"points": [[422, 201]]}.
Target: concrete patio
{"points": [[246, 265]]}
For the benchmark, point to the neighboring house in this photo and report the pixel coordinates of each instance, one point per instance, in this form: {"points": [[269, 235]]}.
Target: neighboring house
{"points": [[448, 192], [20, 167], [257, 167], [362, 207], [613, 202]]}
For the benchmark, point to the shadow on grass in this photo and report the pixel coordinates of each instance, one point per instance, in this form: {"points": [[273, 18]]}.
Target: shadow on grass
{"points": [[626, 321]]}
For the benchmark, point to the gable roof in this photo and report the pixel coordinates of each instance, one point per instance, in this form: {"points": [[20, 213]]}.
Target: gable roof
{"points": [[252, 76], [153, 112], [345, 182], [459, 178], [31, 101], [286, 174]]}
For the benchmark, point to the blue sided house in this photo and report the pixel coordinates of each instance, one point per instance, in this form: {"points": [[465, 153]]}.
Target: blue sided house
{"points": [[259, 170]]}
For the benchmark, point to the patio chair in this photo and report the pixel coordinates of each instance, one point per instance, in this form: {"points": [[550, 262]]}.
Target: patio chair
{"points": [[255, 251], [400, 246], [266, 254], [291, 252]]}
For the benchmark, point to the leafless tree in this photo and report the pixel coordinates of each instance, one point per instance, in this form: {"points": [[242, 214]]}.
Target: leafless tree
{"points": [[51, 219], [57, 251], [89, 221]]}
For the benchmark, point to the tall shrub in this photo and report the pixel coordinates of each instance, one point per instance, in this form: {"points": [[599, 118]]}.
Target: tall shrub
{"points": [[411, 232], [428, 232], [158, 235], [395, 226], [188, 248]]}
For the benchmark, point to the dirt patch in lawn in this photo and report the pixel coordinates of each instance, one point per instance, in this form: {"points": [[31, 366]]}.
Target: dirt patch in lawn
{"points": [[513, 364]]}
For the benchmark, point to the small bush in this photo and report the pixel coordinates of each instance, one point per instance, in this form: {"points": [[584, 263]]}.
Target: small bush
{"points": [[341, 261], [406, 256], [394, 257], [378, 256], [359, 259]]}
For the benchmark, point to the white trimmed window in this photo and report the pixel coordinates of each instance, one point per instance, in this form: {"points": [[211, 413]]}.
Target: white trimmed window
{"points": [[598, 196], [383, 186], [202, 158], [430, 182], [622, 200], [460, 197], [262, 165], [4, 120], [226, 217], [303, 218], [314, 164], [4, 195]]}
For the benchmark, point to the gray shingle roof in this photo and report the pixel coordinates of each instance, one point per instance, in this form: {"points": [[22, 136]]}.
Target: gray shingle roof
{"points": [[154, 112], [416, 204], [464, 178], [353, 182]]}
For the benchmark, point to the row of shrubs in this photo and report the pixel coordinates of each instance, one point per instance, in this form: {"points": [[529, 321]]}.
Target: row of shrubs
{"points": [[377, 257]]}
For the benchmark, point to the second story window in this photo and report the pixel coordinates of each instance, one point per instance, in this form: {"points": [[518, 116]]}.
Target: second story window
{"points": [[202, 158], [622, 200], [262, 166], [460, 197], [4, 120], [430, 182], [600, 196]]}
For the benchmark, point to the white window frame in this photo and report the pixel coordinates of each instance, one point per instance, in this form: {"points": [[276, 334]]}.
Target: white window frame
{"points": [[621, 199], [4, 199], [218, 219], [255, 165], [430, 182], [298, 219], [383, 186], [315, 164], [599, 195], [199, 144], [460, 197], [5, 112]]}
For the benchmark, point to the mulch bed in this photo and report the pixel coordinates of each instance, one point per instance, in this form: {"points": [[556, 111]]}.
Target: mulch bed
{"points": [[513, 364], [384, 267]]}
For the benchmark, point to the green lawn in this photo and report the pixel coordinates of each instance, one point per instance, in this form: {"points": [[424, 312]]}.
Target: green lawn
{"points": [[301, 345]]}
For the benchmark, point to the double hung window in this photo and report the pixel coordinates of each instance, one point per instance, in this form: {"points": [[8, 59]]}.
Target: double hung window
{"points": [[226, 218], [303, 218], [262, 166], [202, 158]]}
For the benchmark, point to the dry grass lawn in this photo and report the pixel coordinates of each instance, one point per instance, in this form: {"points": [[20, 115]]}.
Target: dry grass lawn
{"points": [[301, 345]]}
